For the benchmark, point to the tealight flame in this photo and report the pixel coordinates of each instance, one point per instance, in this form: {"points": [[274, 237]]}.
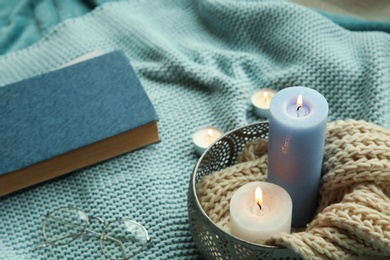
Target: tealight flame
{"points": [[259, 197], [299, 102], [265, 95], [209, 135]]}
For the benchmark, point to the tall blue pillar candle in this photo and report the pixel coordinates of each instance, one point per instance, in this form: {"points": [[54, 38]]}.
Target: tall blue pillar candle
{"points": [[297, 128]]}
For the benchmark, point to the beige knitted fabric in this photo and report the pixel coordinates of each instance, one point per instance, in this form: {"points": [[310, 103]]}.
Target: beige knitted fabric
{"points": [[353, 219]]}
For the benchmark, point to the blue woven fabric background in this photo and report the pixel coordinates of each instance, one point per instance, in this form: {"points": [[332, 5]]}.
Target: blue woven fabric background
{"points": [[199, 62]]}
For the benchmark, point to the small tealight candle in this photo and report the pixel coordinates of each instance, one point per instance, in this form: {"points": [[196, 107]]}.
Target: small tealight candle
{"points": [[261, 100], [259, 210], [204, 137]]}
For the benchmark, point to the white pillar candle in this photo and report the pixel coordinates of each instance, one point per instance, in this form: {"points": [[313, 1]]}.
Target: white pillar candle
{"points": [[261, 100], [204, 137], [252, 223]]}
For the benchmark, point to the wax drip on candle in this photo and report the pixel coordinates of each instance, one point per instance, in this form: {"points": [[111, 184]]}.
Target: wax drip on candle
{"points": [[258, 197]]}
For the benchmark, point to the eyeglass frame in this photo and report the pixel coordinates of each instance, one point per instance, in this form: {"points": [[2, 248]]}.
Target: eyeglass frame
{"points": [[86, 230]]}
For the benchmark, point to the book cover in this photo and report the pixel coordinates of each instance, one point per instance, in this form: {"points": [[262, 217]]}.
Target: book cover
{"points": [[72, 117]]}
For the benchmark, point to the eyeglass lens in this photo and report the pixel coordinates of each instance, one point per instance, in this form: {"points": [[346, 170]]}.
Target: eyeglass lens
{"points": [[123, 239], [64, 225]]}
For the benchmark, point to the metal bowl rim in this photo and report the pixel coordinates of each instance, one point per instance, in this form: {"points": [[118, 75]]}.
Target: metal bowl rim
{"points": [[193, 181]]}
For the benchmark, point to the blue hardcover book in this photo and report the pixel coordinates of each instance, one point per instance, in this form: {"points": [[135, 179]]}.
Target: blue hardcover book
{"points": [[70, 118]]}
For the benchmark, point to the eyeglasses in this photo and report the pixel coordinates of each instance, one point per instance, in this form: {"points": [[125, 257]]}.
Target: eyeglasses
{"points": [[120, 239]]}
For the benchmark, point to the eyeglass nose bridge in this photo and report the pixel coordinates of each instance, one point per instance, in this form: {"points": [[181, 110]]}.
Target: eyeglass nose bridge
{"points": [[93, 232], [98, 219]]}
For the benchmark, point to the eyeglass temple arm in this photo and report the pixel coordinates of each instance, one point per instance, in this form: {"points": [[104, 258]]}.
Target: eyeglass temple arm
{"points": [[48, 243]]}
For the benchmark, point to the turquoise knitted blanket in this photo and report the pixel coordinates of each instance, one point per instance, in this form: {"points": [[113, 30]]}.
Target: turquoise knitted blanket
{"points": [[199, 62]]}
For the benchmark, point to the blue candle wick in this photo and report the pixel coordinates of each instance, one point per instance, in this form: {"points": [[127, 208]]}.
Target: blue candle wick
{"points": [[298, 110]]}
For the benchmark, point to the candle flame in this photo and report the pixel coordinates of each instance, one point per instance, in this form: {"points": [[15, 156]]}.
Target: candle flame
{"points": [[259, 196], [210, 132], [265, 95], [299, 101], [209, 137]]}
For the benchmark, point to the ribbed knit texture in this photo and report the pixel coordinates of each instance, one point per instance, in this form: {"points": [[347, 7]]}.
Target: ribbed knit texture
{"points": [[199, 62]]}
